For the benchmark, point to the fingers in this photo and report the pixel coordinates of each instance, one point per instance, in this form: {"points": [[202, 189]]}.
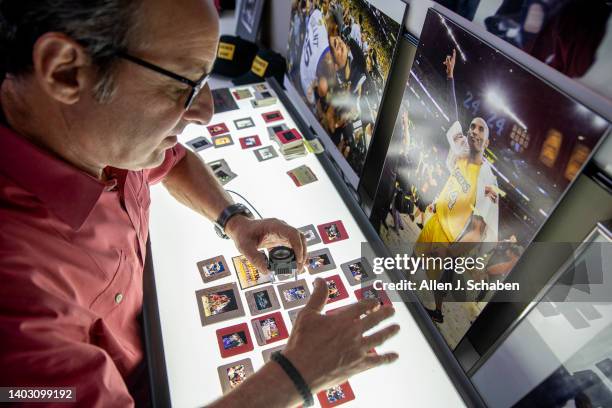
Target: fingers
{"points": [[318, 297], [257, 258], [379, 337], [374, 318], [360, 308], [304, 252], [374, 360], [295, 240]]}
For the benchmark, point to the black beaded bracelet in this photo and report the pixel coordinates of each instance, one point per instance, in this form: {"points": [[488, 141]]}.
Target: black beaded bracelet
{"points": [[295, 376]]}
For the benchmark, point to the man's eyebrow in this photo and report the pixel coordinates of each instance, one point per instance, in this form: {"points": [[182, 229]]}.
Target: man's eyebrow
{"points": [[200, 66], [195, 67]]}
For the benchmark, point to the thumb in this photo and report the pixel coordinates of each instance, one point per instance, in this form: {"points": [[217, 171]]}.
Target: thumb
{"points": [[319, 296], [257, 258]]}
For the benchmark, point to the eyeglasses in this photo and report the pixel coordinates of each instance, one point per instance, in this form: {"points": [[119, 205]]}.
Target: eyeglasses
{"points": [[196, 86]]}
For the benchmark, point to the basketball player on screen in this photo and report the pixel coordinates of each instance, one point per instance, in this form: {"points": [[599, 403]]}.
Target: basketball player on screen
{"points": [[466, 210], [316, 63]]}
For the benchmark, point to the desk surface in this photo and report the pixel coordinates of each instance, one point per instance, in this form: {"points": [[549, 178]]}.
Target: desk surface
{"points": [[180, 238]]}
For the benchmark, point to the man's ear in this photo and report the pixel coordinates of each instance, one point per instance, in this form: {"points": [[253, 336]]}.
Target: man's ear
{"points": [[59, 65]]}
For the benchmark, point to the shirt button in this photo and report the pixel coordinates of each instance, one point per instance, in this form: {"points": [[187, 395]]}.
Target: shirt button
{"points": [[118, 298]]}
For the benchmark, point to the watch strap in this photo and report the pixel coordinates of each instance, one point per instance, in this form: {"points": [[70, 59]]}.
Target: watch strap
{"points": [[295, 376], [227, 214]]}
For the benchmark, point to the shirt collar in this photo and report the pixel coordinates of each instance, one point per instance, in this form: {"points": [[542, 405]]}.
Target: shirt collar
{"points": [[68, 192]]}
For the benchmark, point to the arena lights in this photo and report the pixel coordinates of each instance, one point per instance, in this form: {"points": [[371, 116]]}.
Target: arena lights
{"points": [[452, 36], [500, 173], [498, 102], [543, 191], [430, 97], [522, 194]]}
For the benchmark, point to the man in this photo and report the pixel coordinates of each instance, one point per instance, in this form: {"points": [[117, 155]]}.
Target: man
{"points": [[355, 33], [350, 63], [316, 65], [93, 96], [469, 196], [466, 210]]}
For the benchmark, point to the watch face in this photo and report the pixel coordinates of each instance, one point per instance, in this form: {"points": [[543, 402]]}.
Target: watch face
{"points": [[220, 232], [242, 209]]}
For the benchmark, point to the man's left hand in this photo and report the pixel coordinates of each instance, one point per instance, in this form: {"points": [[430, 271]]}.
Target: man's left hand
{"points": [[251, 235]]}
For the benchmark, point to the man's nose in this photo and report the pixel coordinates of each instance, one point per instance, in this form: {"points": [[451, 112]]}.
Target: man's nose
{"points": [[202, 109]]}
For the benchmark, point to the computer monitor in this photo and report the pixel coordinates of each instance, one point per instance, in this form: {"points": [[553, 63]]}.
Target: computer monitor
{"points": [[339, 55], [481, 153]]}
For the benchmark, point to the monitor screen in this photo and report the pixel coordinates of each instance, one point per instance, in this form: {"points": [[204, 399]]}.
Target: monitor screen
{"points": [[481, 152], [339, 56]]}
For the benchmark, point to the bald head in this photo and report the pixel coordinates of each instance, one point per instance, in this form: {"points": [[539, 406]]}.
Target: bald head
{"points": [[478, 136], [184, 32]]}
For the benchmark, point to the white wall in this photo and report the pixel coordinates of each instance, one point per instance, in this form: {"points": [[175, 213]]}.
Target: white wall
{"points": [[276, 21]]}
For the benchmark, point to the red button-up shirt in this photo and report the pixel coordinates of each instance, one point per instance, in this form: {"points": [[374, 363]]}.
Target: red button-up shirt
{"points": [[72, 250]]}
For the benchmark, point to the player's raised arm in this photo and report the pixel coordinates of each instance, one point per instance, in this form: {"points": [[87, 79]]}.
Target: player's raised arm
{"points": [[449, 63]]}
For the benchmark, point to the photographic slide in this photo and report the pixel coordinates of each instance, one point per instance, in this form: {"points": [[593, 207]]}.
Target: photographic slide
{"points": [[335, 396], [234, 340], [233, 374], [213, 269], [357, 271], [335, 289], [294, 294], [269, 328], [319, 261], [248, 274], [219, 303], [262, 300]]}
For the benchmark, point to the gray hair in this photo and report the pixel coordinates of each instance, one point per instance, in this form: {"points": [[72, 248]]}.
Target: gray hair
{"points": [[102, 27]]}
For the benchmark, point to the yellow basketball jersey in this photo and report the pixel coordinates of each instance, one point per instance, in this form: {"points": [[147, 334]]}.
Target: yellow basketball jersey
{"points": [[455, 203]]}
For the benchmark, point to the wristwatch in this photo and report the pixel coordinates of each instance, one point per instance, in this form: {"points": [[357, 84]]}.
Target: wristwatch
{"points": [[225, 216]]}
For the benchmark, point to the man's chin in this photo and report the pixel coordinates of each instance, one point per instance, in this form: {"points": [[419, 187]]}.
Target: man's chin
{"points": [[158, 156], [157, 159], [154, 160]]}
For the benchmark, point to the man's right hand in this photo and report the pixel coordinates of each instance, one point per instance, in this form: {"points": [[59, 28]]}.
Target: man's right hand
{"points": [[328, 349], [449, 62]]}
